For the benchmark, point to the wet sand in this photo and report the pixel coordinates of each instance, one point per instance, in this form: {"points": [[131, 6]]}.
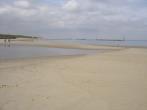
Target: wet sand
{"points": [[114, 80]]}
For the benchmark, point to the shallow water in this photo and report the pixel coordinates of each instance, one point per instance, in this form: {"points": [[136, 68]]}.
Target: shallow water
{"points": [[31, 51]]}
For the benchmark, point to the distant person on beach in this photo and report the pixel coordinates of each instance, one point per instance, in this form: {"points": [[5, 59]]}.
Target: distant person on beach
{"points": [[5, 42], [9, 41]]}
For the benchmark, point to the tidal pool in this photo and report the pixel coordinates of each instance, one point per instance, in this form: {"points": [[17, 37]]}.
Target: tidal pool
{"points": [[32, 51]]}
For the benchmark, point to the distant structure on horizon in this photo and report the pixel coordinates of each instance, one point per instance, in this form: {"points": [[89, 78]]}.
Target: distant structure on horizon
{"points": [[105, 39]]}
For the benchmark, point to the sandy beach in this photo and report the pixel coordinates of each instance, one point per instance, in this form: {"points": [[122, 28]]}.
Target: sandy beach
{"points": [[114, 80]]}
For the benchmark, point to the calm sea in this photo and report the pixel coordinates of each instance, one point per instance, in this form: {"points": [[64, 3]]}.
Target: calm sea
{"points": [[139, 43]]}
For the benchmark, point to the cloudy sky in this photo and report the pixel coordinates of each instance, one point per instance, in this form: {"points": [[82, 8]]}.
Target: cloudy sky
{"points": [[75, 18]]}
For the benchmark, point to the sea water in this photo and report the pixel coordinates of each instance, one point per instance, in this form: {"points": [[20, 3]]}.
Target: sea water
{"points": [[31, 51], [137, 43]]}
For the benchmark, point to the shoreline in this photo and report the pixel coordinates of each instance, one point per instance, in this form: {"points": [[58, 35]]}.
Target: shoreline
{"points": [[39, 58], [38, 43], [66, 45]]}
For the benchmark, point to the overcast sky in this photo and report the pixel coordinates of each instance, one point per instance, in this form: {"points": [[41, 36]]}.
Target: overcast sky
{"points": [[75, 18]]}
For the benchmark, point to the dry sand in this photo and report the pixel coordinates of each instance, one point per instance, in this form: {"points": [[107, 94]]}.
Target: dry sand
{"points": [[115, 80]]}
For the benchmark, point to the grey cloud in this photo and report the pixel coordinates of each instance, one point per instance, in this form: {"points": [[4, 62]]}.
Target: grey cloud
{"points": [[75, 18]]}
